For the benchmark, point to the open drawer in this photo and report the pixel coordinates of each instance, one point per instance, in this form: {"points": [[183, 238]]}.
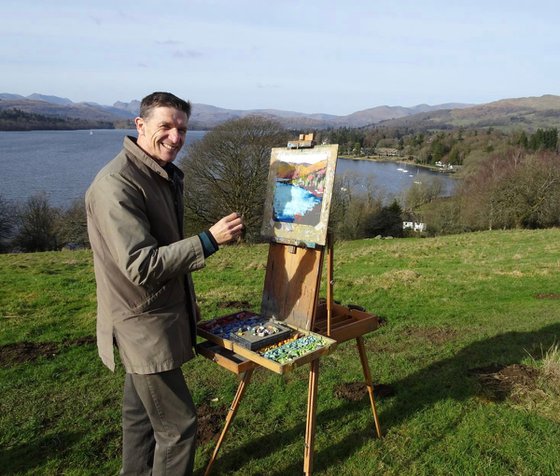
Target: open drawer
{"points": [[224, 357], [346, 322]]}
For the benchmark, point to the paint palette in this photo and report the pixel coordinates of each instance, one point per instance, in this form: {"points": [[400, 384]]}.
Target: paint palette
{"points": [[261, 335], [251, 331], [224, 327]]}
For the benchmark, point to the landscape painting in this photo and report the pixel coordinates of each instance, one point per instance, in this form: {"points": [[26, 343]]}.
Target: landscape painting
{"points": [[299, 194]]}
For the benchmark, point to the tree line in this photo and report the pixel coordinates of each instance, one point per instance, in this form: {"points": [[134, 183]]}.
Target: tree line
{"points": [[507, 181], [18, 120], [453, 147]]}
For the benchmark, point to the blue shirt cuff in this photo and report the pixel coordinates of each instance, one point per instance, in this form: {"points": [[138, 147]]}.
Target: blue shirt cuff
{"points": [[209, 244]]}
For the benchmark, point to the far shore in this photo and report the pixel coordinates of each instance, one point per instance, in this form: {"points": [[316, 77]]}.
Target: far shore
{"points": [[385, 158]]}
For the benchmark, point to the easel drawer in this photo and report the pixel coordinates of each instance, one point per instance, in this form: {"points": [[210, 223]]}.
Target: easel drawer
{"points": [[345, 323], [225, 358]]}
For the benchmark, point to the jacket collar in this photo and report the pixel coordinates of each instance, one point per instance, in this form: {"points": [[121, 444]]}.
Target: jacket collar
{"points": [[166, 172]]}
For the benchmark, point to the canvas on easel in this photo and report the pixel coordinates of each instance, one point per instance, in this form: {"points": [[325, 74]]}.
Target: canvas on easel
{"points": [[299, 194]]}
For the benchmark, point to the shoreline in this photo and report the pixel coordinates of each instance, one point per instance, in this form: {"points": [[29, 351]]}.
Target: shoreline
{"points": [[379, 158]]}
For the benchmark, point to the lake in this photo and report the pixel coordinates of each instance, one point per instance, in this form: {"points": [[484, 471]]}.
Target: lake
{"points": [[60, 163], [389, 178], [63, 163]]}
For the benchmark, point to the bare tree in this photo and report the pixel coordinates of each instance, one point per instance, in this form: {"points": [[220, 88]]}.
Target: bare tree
{"points": [[71, 226], [37, 225], [419, 194], [531, 193], [227, 171], [8, 214], [354, 207], [513, 191]]}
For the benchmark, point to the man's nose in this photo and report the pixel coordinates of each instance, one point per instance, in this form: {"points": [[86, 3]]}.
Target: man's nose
{"points": [[175, 136]]}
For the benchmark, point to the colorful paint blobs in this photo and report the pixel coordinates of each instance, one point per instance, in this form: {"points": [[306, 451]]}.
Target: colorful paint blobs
{"points": [[287, 351], [241, 321]]}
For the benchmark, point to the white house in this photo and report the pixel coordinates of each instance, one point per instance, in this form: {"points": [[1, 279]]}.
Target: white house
{"points": [[413, 225]]}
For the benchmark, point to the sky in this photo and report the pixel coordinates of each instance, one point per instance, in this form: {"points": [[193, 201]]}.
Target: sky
{"points": [[309, 56]]}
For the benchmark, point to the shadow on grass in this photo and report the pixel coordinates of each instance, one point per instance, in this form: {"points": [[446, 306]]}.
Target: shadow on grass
{"points": [[235, 459], [25, 457], [442, 380]]}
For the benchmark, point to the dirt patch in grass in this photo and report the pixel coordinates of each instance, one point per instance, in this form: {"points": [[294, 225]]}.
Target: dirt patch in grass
{"points": [[356, 391], [234, 304], [500, 382], [435, 335], [548, 296], [210, 422], [24, 352]]}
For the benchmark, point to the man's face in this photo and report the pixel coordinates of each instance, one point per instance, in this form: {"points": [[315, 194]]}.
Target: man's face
{"points": [[162, 133]]}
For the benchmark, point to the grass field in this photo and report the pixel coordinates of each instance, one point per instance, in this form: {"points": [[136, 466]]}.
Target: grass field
{"points": [[467, 352]]}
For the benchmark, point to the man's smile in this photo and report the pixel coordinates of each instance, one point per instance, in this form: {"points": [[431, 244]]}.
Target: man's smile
{"points": [[170, 147]]}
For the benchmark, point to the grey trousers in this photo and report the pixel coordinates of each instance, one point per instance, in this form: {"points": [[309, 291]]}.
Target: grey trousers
{"points": [[159, 425]]}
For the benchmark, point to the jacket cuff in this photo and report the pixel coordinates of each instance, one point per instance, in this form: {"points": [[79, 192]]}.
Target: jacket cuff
{"points": [[209, 244]]}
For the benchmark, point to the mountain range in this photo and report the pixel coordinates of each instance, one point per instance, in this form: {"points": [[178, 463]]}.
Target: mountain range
{"points": [[528, 113]]}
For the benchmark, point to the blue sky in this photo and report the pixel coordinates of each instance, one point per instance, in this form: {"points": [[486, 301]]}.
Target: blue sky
{"points": [[309, 56]]}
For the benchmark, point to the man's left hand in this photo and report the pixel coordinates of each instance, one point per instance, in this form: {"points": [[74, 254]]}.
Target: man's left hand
{"points": [[227, 229]]}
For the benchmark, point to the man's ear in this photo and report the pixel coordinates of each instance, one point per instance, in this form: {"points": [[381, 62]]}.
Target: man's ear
{"points": [[139, 125]]}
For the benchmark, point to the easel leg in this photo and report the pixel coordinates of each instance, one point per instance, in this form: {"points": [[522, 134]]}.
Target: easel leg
{"points": [[311, 417], [369, 384], [231, 414]]}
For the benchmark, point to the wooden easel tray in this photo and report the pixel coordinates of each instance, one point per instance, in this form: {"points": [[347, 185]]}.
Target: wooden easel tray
{"points": [[346, 323], [204, 330], [217, 330]]}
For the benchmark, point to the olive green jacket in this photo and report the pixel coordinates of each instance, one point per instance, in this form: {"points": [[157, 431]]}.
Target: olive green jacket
{"points": [[145, 294]]}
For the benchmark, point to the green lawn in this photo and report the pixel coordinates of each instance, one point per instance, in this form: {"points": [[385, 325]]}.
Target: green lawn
{"points": [[461, 311]]}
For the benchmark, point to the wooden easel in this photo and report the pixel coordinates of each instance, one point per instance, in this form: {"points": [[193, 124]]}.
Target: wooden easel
{"points": [[291, 293]]}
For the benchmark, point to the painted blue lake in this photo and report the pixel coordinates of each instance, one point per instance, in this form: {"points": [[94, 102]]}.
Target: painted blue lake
{"points": [[291, 201]]}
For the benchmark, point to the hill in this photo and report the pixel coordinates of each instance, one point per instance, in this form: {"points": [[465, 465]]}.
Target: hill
{"points": [[57, 107], [204, 116], [207, 117], [528, 113], [17, 120]]}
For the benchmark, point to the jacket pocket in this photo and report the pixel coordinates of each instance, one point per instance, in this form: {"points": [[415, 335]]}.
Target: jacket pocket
{"points": [[163, 298]]}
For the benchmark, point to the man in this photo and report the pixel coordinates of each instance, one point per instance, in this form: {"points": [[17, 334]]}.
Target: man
{"points": [[145, 295]]}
